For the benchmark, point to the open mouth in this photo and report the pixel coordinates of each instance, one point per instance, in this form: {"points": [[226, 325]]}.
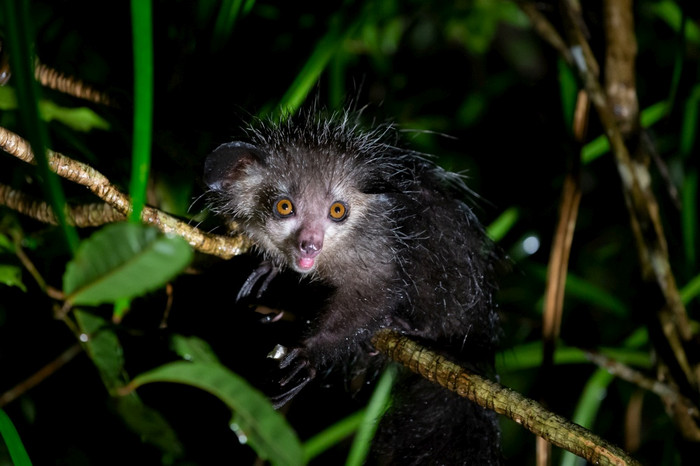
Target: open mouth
{"points": [[305, 263]]}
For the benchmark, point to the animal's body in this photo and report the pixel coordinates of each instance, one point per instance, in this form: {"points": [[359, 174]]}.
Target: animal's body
{"points": [[389, 232]]}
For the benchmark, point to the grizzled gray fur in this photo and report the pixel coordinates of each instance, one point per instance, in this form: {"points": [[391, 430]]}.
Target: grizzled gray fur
{"points": [[389, 231]]}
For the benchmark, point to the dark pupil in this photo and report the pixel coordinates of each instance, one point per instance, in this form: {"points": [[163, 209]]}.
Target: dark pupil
{"points": [[285, 206], [337, 209]]}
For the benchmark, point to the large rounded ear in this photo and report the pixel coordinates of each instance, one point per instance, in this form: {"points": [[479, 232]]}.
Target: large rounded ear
{"points": [[225, 165]]}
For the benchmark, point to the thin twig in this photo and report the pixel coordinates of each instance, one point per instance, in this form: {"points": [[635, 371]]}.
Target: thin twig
{"points": [[61, 82], [637, 378], [40, 375]]}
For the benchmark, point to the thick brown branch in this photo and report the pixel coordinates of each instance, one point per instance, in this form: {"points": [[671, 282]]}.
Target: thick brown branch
{"points": [[530, 414], [222, 246], [620, 53]]}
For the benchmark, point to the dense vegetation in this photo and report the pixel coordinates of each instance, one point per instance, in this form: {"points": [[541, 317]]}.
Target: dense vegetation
{"points": [[90, 317]]}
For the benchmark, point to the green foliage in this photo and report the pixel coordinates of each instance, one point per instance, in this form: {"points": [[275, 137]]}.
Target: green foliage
{"points": [[468, 81], [79, 119], [123, 261], [141, 19], [19, 38], [102, 345], [11, 275], [376, 407], [9, 434], [255, 422]]}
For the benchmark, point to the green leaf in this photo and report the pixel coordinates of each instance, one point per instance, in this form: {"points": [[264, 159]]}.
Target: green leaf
{"points": [[79, 119], [11, 275], [123, 261], [13, 441], [104, 349], [671, 13], [149, 424], [6, 243], [256, 422], [193, 349]]}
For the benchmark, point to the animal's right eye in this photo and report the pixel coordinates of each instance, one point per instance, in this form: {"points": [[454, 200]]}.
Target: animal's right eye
{"points": [[284, 207]]}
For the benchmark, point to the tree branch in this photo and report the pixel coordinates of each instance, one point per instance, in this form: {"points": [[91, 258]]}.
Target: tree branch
{"points": [[222, 246], [491, 395], [83, 216]]}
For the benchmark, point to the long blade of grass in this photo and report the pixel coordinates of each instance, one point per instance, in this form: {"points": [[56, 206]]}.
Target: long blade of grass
{"points": [[690, 290], [599, 146], [319, 59], [375, 409], [332, 435], [503, 224], [18, 41], [594, 393], [15, 447], [141, 19], [587, 408]]}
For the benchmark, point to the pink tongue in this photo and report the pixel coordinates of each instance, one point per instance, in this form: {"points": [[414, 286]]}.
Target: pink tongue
{"points": [[306, 262]]}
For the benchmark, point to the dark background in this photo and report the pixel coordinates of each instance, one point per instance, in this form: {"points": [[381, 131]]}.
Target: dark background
{"points": [[469, 81]]}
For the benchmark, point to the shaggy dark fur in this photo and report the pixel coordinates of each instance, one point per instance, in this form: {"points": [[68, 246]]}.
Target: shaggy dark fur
{"points": [[389, 232]]}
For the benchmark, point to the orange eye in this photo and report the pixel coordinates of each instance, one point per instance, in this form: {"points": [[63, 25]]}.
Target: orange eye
{"points": [[284, 207], [338, 211]]}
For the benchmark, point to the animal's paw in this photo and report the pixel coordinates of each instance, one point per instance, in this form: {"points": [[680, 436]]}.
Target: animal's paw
{"points": [[298, 371], [266, 269]]}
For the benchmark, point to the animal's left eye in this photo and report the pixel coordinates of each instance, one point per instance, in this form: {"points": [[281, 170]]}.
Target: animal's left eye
{"points": [[338, 211]]}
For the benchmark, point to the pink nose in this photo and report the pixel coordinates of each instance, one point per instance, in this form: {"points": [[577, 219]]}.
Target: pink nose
{"points": [[310, 242]]}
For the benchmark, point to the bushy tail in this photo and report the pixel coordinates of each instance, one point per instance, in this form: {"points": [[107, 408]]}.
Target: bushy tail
{"points": [[429, 425]]}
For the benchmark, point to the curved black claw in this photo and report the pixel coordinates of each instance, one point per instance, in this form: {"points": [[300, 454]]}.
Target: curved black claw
{"points": [[265, 268], [299, 372]]}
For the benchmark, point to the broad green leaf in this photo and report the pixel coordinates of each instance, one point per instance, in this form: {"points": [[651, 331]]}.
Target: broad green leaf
{"points": [[149, 424], [123, 261], [257, 423], [104, 349], [15, 447], [11, 275], [193, 349]]}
